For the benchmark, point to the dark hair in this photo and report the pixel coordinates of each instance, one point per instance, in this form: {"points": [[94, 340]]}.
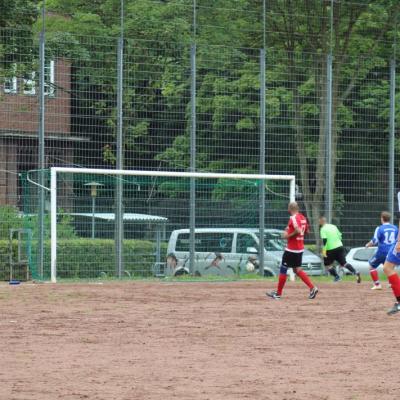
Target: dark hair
{"points": [[385, 216]]}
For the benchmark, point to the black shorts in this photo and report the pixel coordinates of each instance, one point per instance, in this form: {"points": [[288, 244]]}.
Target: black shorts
{"points": [[292, 260], [333, 255]]}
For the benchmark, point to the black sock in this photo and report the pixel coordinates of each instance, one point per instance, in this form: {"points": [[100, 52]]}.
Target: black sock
{"points": [[350, 268], [333, 272]]}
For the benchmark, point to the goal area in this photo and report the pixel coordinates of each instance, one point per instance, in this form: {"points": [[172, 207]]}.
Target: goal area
{"points": [[138, 223]]}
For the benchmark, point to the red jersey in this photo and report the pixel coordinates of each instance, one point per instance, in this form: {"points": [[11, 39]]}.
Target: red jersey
{"points": [[295, 244]]}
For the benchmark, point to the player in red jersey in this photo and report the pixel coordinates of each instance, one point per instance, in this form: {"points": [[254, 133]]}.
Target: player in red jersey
{"points": [[292, 257]]}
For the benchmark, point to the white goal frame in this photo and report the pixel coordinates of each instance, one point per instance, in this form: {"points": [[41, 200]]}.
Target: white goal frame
{"points": [[54, 171]]}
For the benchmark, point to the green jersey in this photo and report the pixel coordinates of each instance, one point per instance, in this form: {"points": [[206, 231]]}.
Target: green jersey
{"points": [[332, 235]]}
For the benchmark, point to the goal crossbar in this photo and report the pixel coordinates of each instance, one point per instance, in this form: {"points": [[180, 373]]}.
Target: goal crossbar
{"points": [[115, 172]]}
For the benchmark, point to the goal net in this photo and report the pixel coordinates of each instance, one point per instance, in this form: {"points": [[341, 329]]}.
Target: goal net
{"points": [[103, 223]]}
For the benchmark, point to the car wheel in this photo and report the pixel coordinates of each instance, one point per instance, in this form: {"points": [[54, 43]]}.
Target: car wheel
{"points": [[181, 272]]}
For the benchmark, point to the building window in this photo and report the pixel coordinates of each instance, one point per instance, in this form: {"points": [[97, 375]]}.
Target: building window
{"points": [[49, 78], [10, 85], [29, 84]]}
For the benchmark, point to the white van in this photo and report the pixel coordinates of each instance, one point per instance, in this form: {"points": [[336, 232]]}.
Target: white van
{"points": [[228, 251]]}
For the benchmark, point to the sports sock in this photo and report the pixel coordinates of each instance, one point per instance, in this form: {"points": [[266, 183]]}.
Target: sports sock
{"points": [[304, 277], [374, 276], [350, 268], [333, 272], [281, 283], [281, 280], [394, 281]]}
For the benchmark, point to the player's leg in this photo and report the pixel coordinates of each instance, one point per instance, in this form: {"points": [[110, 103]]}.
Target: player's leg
{"points": [[374, 263], [282, 278], [389, 268], [341, 259], [329, 265], [304, 277]]}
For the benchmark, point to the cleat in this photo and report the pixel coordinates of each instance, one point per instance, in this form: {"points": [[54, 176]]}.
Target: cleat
{"points": [[273, 295], [377, 287], [337, 279], [313, 293], [358, 277], [395, 309]]}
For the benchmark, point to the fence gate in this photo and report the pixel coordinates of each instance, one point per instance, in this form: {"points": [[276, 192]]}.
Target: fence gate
{"points": [[20, 253]]}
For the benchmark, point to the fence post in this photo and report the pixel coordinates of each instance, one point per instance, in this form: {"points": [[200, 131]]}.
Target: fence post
{"points": [[119, 212], [392, 125], [328, 149], [41, 145], [262, 162], [53, 225], [192, 221]]}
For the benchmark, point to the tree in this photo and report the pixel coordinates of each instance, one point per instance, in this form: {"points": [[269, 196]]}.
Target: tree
{"points": [[358, 31]]}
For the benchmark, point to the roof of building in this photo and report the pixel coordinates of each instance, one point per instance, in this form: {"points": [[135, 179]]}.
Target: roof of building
{"points": [[134, 217]]}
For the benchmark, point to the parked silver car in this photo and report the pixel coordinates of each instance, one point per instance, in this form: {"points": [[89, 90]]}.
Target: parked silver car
{"points": [[358, 257], [227, 251]]}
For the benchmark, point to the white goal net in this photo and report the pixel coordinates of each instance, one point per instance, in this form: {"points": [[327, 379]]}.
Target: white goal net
{"points": [[126, 223]]}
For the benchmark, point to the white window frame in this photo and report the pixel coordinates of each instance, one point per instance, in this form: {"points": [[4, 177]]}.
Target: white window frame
{"points": [[29, 82], [12, 83], [49, 84]]}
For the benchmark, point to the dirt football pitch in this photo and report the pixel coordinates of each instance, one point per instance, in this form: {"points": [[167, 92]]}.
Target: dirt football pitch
{"points": [[161, 341]]}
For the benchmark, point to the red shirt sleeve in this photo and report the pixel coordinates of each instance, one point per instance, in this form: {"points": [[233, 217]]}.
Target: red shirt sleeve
{"points": [[307, 231]]}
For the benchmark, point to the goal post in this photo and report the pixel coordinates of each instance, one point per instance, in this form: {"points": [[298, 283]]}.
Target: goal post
{"points": [[254, 179]]}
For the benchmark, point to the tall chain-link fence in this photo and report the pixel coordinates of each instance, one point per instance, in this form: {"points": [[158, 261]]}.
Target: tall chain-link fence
{"points": [[194, 101]]}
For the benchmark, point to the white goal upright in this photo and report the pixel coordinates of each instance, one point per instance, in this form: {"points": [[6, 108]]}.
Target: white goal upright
{"points": [[191, 200]]}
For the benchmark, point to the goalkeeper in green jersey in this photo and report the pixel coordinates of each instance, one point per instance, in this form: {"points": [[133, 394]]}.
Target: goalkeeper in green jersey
{"points": [[333, 250]]}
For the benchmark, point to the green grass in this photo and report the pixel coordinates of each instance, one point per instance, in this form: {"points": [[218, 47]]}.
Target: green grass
{"points": [[208, 278]]}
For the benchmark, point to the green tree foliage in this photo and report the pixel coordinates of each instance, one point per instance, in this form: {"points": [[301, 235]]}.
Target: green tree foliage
{"points": [[228, 36], [18, 13], [358, 44]]}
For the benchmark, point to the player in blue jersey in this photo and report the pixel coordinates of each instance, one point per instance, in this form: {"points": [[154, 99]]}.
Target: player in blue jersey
{"points": [[384, 237]]}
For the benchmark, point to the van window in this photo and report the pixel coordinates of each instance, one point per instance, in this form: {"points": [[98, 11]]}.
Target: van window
{"points": [[210, 242], [364, 254], [244, 241]]}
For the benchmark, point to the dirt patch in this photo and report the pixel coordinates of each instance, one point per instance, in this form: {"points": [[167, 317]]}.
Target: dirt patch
{"points": [[196, 341]]}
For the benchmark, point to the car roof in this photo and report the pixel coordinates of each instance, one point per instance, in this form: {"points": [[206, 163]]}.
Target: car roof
{"points": [[354, 249], [227, 230]]}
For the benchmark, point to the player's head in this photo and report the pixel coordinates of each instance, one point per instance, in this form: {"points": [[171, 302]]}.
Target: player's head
{"points": [[385, 217], [293, 208], [322, 221]]}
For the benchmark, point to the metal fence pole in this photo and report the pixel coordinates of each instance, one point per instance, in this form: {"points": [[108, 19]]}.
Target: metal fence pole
{"points": [[119, 214], [41, 145], [328, 155], [392, 123], [192, 218], [262, 161]]}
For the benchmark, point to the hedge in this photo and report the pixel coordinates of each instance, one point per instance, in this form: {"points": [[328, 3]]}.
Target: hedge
{"points": [[90, 258]]}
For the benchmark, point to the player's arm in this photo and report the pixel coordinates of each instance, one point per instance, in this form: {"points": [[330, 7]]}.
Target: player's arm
{"points": [[398, 234], [374, 240], [398, 237], [296, 230], [324, 239]]}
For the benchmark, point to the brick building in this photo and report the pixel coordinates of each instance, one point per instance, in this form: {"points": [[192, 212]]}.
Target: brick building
{"points": [[19, 124]]}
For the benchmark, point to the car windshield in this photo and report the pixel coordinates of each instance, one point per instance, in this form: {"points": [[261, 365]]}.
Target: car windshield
{"points": [[273, 241], [364, 254]]}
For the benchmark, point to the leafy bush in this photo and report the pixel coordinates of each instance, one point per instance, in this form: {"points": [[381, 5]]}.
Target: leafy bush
{"points": [[9, 219], [64, 226], [88, 258]]}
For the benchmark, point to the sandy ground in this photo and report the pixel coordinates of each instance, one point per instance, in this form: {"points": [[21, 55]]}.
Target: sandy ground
{"points": [[213, 341]]}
